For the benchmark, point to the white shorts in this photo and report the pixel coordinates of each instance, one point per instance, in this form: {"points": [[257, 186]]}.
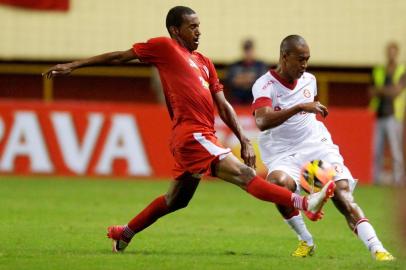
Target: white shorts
{"points": [[292, 163]]}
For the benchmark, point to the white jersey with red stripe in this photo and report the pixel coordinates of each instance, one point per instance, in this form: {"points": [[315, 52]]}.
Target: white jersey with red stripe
{"points": [[300, 131]]}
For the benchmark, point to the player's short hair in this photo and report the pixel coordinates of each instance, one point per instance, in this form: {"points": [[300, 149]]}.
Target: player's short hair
{"points": [[175, 16], [291, 42]]}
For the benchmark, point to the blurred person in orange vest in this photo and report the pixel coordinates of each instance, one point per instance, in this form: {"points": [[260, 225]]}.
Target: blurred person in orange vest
{"points": [[401, 200], [388, 103]]}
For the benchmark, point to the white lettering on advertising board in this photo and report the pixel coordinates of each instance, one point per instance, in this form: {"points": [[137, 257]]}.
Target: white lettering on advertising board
{"points": [[27, 138]]}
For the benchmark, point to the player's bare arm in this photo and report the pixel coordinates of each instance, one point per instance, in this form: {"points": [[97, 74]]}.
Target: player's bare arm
{"points": [[267, 118], [117, 57], [228, 115]]}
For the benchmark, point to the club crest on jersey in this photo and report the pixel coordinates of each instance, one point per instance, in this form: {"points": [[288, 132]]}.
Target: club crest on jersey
{"points": [[193, 64], [306, 93]]}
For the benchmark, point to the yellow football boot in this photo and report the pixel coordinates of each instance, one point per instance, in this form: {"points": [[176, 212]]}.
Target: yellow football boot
{"points": [[383, 256], [303, 250]]}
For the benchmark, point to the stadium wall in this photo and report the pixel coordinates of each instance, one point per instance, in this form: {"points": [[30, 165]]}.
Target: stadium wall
{"points": [[340, 33], [337, 87], [131, 140]]}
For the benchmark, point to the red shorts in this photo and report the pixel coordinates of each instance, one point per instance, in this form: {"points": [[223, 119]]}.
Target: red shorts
{"points": [[196, 153]]}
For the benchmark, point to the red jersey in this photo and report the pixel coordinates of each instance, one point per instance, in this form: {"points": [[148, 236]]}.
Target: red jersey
{"points": [[188, 78]]}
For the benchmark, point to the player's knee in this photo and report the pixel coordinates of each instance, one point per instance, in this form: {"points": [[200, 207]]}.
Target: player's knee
{"points": [[282, 179], [277, 180]]}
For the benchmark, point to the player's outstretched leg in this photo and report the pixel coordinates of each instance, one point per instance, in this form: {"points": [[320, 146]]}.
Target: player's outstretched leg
{"points": [[177, 197], [293, 217], [232, 170], [357, 222]]}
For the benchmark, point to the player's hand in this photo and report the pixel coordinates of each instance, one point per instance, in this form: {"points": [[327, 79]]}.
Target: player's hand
{"points": [[58, 70], [315, 107], [248, 153]]}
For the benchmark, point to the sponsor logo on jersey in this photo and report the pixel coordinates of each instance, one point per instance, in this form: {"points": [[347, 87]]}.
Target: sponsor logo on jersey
{"points": [[306, 93], [268, 83]]}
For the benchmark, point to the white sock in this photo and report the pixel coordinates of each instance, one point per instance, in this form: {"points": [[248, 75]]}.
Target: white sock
{"points": [[368, 236], [297, 224]]}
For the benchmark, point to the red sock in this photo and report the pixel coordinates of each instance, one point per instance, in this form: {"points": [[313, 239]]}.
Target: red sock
{"points": [[266, 191], [149, 215]]}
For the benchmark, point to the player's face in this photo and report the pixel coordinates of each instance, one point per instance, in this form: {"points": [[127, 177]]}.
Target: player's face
{"points": [[189, 32], [296, 61]]}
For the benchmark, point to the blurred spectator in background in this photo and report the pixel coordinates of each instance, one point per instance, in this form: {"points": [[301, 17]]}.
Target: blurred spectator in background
{"points": [[242, 74], [401, 198], [402, 85], [388, 103]]}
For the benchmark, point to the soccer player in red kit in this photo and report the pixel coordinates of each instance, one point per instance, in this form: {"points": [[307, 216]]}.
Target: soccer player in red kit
{"points": [[191, 89]]}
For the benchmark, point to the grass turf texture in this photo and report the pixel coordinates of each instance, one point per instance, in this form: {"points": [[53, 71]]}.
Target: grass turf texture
{"points": [[60, 223]]}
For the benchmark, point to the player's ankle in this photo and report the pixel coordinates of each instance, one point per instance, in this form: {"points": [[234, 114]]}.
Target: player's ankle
{"points": [[299, 202], [127, 234]]}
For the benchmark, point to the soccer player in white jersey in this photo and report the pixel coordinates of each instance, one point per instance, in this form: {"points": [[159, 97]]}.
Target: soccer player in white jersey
{"points": [[285, 107]]}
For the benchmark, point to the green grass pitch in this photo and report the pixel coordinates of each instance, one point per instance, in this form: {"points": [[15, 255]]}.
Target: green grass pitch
{"points": [[60, 223]]}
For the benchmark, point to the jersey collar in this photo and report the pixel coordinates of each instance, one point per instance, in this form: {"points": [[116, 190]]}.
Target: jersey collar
{"points": [[291, 86]]}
